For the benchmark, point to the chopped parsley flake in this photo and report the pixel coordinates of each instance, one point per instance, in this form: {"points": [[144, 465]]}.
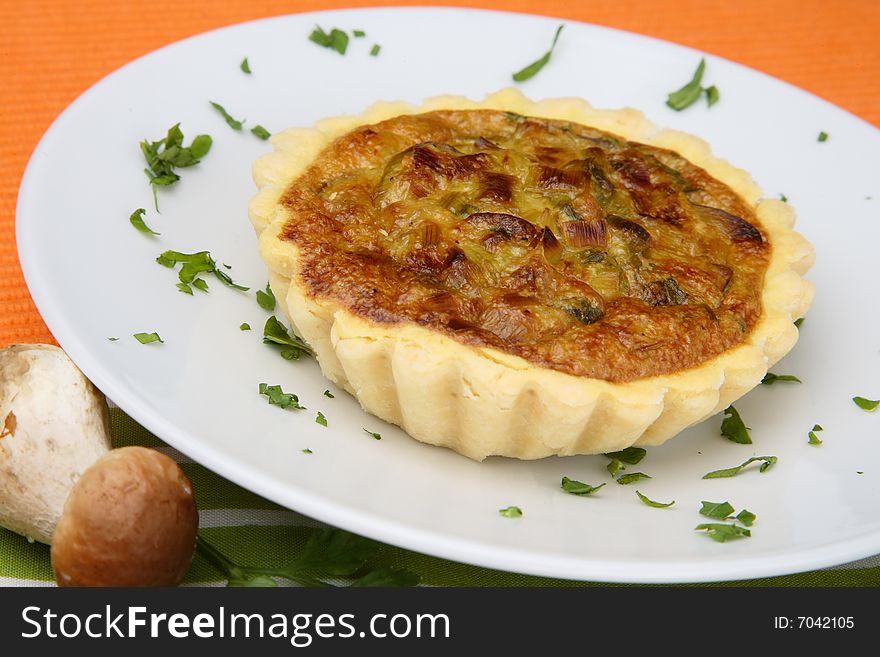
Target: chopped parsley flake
{"points": [[712, 95], [614, 465], [320, 419], [245, 67], [329, 394], [767, 462], [274, 332], [244, 326], [656, 505], [261, 132], [770, 378], [733, 428], [869, 405], [721, 532], [724, 510], [374, 51], [113, 339], [169, 153], [717, 510], [578, 487], [307, 451], [147, 338], [266, 300], [336, 40], [137, 220], [235, 124], [277, 397], [532, 69], [691, 92], [799, 322], [783, 198], [632, 478], [630, 455], [195, 264], [823, 136], [511, 512], [227, 280], [376, 436], [358, 33], [813, 438]]}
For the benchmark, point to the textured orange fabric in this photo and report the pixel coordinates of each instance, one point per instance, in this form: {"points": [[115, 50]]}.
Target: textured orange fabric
{"points": [[52, 50]]}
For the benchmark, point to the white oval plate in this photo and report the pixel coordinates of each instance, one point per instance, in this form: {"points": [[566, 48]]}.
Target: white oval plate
{"points": [[93, 276]]}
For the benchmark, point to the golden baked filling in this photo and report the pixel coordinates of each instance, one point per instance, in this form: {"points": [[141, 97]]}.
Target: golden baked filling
{"points": [[567, 246]]}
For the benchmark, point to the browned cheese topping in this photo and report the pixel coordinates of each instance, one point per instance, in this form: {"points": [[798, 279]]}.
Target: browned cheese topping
{"points": [[565, 245]]}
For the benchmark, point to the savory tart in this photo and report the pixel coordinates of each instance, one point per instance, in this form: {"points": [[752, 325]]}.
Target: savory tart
{"points": [[527, 279]]}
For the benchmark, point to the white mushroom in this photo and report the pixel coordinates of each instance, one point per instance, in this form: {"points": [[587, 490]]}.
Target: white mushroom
{"points": [[54, 424]]}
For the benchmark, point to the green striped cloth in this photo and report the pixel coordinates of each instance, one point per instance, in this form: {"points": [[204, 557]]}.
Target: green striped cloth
{"points": [[255, 532]]}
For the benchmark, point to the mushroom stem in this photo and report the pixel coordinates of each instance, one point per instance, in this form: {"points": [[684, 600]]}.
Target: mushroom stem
{"points": [[55, 424]]}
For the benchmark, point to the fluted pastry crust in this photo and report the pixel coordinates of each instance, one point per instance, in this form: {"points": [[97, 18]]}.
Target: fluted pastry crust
{"points": [[483, 401]]}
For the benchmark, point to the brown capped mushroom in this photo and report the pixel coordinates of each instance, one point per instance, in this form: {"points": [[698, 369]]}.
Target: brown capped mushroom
{"points": [[53, 425], [130, 520]]}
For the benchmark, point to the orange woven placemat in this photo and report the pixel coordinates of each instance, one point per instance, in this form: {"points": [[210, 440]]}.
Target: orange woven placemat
{"points": [[52, 50]]}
